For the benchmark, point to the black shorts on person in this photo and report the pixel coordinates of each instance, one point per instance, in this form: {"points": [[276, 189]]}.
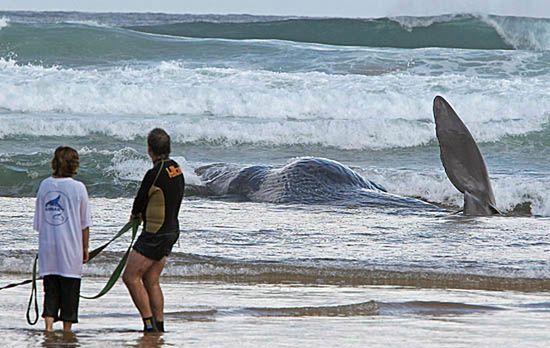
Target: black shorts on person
{"points": [[156, 246], [61, 294]]}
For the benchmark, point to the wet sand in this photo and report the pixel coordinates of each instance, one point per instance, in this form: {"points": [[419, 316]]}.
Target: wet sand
{"points": [[254, 315]]}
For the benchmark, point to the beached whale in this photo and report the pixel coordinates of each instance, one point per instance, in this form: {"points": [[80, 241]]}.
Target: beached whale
{"points": [[319, 180], [304, 180]]}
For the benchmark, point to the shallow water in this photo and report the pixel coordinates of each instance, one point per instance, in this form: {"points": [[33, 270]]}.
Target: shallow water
{"points": [[252, 274], [341, 244], [250, 315]]}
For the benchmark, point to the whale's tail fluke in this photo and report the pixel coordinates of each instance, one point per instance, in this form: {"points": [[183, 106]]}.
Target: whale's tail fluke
{"points": [[463, 161]]}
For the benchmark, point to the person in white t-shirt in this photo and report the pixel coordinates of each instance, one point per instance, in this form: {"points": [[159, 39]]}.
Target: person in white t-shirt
{"points": [[62, 218]]}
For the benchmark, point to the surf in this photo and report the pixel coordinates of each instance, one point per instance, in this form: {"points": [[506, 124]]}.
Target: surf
{"points": [[464, 31]]}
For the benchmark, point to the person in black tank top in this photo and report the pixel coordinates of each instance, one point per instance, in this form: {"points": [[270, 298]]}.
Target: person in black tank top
{"points": [[157, 204]]}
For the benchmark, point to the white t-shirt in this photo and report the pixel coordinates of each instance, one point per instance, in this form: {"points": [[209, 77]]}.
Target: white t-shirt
{"points": [[62, 212]]}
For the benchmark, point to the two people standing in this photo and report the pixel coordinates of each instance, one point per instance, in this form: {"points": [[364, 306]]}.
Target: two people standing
{"points": [[62, 218]]}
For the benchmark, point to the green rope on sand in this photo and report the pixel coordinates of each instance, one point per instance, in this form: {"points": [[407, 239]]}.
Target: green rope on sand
{"points": [[133, 225], [118, 270]]}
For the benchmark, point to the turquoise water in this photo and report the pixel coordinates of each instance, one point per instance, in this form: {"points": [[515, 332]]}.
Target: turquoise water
{"points": [[245, 90], [100, 81], [252, 274]]}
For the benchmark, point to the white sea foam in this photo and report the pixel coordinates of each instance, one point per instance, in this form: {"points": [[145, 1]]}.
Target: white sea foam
{"points": [[522, 33], [129, 165], [334, 133], [234, 106], [89, 23], [3, 22], [410, 22], [510, 190]]}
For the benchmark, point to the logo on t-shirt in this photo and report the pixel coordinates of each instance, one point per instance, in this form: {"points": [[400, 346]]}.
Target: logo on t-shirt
{"points": [[55, 209]]}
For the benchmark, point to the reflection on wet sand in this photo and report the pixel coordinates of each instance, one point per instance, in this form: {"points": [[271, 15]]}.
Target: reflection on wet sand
{"points": [[149, 340], [57, 339]]}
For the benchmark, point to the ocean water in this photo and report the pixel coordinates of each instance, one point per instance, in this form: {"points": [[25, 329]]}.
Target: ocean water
{"points": [[246, 90]]}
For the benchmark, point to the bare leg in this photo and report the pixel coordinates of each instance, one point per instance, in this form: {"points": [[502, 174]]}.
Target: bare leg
{"points": [[67, 325], [49, 323], [151, 281], [135, 269]]}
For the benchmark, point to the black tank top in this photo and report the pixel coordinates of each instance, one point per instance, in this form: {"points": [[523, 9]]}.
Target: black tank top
{"points": [[159, 198]]}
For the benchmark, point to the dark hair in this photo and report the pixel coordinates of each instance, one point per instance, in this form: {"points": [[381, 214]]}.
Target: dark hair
{"points": [[159, 142], [65, 162]]}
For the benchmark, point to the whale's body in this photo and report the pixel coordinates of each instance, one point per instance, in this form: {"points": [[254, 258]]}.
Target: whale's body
{"points": [[305, 180], [322, 181]]}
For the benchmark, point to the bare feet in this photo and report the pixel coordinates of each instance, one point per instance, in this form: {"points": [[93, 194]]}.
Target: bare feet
{"points": [[49, 323]]}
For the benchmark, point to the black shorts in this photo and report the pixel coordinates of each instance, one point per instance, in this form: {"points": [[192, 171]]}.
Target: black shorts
{"points": [[61, 294], [156, 246]]}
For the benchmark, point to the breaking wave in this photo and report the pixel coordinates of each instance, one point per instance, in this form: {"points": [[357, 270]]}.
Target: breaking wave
{"points": [[236, 106], [201, 268]]}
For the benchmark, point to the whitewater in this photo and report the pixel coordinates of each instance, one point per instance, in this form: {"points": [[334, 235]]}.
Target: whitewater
{"points": [[242, 90]]}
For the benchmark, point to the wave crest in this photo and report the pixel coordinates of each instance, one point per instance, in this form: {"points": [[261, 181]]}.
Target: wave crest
{"points": [[470, 31], [518, 32], [237, 106], [3, 22], [203, 268]]}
